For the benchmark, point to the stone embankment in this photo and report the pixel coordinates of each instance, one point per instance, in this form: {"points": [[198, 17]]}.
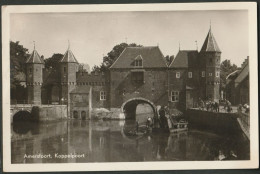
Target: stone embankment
{"points": [[216, 121]]}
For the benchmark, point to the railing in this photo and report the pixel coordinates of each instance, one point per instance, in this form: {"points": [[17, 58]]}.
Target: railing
{"points": [[245, 119], [26, 102], [20, 103]]}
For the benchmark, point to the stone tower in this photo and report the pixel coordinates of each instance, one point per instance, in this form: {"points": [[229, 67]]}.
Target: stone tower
{"points": [[210, 68], [68, 69], [34, 67]]}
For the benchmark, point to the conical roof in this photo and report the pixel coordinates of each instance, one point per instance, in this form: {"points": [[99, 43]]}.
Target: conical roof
{"points": [[69, 57], [210, 44], [35, 58]]}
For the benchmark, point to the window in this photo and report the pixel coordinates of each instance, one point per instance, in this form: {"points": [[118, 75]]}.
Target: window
{"points": [[190, 74], [178, 75], [210, 60], [64, 69], [138, 77], [103, 95], [203, 74], [139, 62], [30, 70], [210, 74], [217, 74], [175, 96]]}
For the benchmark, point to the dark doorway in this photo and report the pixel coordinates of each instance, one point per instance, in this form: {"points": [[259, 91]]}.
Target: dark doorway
{"points": [[75, 114], [83, 115]]}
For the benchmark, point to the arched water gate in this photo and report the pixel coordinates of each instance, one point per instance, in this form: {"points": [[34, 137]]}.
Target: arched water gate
{"points": [[129, 107], [21, 115]]}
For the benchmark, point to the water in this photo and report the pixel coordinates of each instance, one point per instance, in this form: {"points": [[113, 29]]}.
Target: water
{"points": [[106, 141]]}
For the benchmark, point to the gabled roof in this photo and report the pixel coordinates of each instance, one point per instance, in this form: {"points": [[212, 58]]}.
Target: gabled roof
{"points": [[242, 75], [210, 44], [35, 58], [185, 59], [152, 58], [69, 57]]}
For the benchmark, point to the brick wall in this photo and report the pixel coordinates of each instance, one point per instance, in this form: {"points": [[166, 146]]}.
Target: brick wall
{"points": [[122, 87]]}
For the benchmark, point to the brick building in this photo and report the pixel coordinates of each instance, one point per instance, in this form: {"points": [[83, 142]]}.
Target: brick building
{"points": [[139, 75], [237, 88]]}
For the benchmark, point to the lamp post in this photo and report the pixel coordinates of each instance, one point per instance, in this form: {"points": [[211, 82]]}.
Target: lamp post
{"points": [[62, 99]]}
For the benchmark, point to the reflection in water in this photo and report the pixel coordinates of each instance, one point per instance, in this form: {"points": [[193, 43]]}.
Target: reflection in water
{"points": [[106, 141]]}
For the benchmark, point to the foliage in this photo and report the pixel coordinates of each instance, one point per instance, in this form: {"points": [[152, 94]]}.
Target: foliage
{"points": [[110, 58], [84, 67], [53, 61], [225, 69], [18, 56], [169, 59]]}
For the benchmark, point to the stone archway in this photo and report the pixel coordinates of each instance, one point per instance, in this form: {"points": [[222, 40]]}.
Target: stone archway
{"points": [[129, 107], [22, 115]]}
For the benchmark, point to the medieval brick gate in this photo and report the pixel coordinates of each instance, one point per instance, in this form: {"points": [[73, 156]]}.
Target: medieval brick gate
{"points": [[129, 106]]}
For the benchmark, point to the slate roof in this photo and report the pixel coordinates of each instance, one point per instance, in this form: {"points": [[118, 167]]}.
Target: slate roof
{"points": [[242, 75], [35, 58], [69, 57], [185, 59], [152, 58], [210, 44]]}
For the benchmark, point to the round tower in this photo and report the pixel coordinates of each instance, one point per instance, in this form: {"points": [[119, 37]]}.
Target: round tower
{"points": [[34, 68], [210, 55]]}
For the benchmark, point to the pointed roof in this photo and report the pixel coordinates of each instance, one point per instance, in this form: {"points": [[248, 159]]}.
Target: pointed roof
{"points": [[185, 59], [242, 75], [152, 57], [210, 44], [69, 56], [35, 58]]}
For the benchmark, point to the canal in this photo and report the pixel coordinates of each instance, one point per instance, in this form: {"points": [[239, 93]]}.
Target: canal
{"points": [[107, 141]]}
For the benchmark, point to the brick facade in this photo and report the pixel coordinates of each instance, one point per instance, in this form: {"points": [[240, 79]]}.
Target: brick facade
{"points": [[139, 72]]}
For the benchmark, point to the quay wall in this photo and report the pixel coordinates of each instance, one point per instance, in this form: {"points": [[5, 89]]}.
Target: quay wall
{"points": [[218, 122], [49, 113]]}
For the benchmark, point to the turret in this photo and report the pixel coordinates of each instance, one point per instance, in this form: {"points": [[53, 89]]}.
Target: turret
{"points": [[34, 67], [68, 69], [210, 58]]}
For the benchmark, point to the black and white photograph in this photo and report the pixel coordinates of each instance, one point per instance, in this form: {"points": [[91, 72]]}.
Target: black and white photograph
{"points": [[130, 87]]}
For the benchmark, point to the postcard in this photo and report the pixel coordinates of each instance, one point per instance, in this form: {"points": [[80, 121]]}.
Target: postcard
{"points": [[130, 87]]}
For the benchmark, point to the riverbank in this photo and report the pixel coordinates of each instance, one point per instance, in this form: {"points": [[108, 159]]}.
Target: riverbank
{"points": [[216, 121]]}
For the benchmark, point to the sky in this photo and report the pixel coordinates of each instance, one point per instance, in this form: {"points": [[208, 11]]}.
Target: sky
{"points": [[94, 34]]}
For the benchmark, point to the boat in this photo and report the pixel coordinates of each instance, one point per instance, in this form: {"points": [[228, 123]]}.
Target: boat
{"points": [[180, 126], [174, 126]]}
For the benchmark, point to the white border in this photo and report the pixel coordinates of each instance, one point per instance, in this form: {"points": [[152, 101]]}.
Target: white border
{"points": [[254, 151]]}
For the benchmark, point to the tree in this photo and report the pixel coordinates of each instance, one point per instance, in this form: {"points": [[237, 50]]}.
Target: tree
{"points": [[110, 58], [53, 61], [18, 57], [225, 69], [169, 59]]}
